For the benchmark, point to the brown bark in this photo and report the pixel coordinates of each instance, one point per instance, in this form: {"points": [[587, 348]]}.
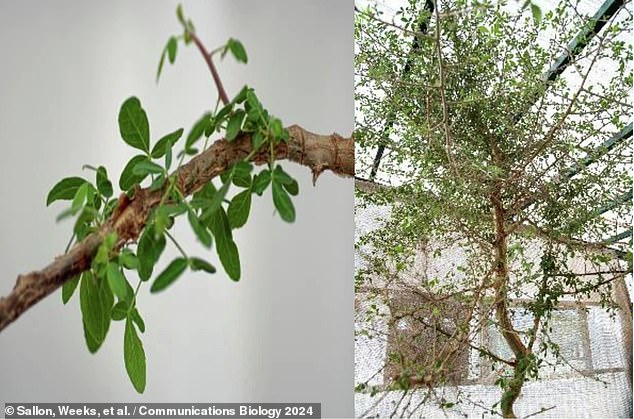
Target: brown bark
{"points": [[505, 325], [318, 152], [622, 298]]}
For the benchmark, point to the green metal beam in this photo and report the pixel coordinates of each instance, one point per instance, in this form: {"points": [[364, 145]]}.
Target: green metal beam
{"points": [[416, 45], [578, 43], [622, 235], [613, 204], [592, 157], [591, 28], [601, 150]]}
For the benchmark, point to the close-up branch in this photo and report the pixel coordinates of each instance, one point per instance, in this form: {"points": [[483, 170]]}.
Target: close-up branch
{"points": [[177, 208], [318, 152]]}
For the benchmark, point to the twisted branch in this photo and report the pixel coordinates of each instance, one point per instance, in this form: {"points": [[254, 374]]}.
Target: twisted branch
{"points": [[318, 152]]}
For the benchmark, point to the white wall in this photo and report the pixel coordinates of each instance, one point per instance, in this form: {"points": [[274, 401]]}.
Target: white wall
{"points": [[565, 392], [284, 332]]}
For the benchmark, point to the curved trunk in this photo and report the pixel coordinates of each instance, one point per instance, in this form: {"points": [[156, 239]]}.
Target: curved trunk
{"points": [[510, 335]]}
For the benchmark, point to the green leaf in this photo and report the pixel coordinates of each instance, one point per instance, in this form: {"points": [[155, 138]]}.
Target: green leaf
{"points": [[172, 47], [537, 12], [162, 220], [68, 289], [276, 127], [109, 207], [148, 251], [169, 275], [242, 174], [128, 259], [168, 159], [164, 216], [225, 246], [234, 125], [200, 229], [206, 193], [65, 189], [138, 320], [134, 356], [257, 139], [254, 108], [173, 209], [128, 179], [281, 176], [238, 210], [197, 130], [133, 125], [197, 264], [130, 293], [200, 203], [160, 66], [96, 301], [190, 26], [283, 203], [292, 188], [104, 186], [110, 240], [242, 168], [103, 252], [120, 311], [68, 212], [224, 112], [243, 181], [91, 343], [242, 95], [166, 143], [210, 128], [217, 198], [82, 224], [158, 182], [261, 181], [117, 281], [237, 49], [192, 151], [81, 196], [180, 15], [145, 167]]}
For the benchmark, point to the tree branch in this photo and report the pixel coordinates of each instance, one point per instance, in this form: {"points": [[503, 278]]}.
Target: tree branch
{"points": [[207, 56], [318, 152]]}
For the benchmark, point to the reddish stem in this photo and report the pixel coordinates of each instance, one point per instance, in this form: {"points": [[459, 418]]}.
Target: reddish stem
{"points": [[212, 68]]}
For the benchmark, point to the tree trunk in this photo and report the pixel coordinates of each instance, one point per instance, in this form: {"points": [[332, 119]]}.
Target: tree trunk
{"points": [[511, 337]]}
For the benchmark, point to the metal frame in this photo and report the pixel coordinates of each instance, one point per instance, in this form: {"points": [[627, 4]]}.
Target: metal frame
{"points": [[422, 28], [594, 25], [574, 48]]}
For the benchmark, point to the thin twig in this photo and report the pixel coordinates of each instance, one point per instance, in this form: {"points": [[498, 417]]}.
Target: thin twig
{"points": [[543, 409], [214, 73], [443, 100]]}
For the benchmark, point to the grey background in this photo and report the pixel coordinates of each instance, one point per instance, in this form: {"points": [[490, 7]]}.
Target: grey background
{"points": [[283, 333]]}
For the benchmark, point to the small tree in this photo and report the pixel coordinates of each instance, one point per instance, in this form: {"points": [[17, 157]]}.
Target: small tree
{"points": [[489, 153], [172, 176]]}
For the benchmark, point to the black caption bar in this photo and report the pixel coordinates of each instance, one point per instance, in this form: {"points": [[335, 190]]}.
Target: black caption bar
{"points": [[162, 410]]}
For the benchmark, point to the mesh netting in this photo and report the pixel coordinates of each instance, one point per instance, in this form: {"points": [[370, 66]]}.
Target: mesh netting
{"points": [[589, 378]]}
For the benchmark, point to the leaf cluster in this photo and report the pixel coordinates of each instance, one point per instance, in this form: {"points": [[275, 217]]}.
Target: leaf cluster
{"points": [[106, 291]]}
